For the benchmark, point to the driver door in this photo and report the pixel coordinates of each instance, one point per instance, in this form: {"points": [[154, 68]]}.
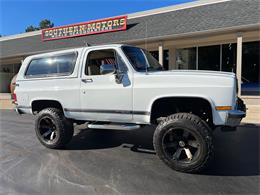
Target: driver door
{"points": [[102, 98]]}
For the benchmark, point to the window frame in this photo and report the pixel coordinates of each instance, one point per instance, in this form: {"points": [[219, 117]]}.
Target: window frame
{"points": [[39, 76], [116, 55], [129, 60]]}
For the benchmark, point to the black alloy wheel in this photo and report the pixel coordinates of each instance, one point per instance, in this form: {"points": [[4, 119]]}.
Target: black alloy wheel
{"points": [[53, 129], [47, 130], [181, 145], [183, 141]]}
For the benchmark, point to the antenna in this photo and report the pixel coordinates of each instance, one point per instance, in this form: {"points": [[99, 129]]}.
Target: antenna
{"points": [[145, 45]]}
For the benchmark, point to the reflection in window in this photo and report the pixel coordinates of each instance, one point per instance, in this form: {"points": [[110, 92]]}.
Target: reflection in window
{"points": [[209, 58], [97, 58], [229, 56], [250, 68], [155, 54], [62, 64], [186, 58]]}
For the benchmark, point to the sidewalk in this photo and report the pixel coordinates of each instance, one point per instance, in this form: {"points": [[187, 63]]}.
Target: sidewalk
{"points": [[252, 114], [5, 101]]}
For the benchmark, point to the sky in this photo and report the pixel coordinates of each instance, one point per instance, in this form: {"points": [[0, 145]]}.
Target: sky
{"points": [[16, 15]]}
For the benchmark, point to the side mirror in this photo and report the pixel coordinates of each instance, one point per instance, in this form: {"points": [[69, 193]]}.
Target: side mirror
{"points": [[119, 76], [107, 68]]}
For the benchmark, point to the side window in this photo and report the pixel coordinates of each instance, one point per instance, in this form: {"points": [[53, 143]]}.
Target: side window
{"points": [[100, 57], [52, 66]]}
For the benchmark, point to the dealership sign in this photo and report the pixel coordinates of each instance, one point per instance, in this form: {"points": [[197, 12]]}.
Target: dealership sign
{"points": [[85, 28]]}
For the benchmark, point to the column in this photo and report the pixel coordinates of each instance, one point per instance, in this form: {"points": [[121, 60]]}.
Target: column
{"points": [[239, 61], [160, 49]]}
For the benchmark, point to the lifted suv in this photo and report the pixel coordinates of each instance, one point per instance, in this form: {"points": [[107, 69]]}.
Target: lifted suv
{"points": [[124, 87]]}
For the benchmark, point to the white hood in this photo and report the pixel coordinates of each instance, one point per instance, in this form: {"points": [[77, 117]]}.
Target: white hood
{"points": [[193, 72]]}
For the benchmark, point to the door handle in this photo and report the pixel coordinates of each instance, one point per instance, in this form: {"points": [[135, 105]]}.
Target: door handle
{"points": [[87, 80]]}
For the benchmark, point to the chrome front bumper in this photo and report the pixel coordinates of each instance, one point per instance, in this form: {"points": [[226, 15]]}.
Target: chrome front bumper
{"points": [[234, 117]]}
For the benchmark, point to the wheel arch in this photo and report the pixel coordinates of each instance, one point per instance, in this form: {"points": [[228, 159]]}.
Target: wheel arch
{"points": [[39, 104], [160, 99]]}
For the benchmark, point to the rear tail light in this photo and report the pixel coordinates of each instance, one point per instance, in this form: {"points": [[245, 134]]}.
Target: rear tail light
{"points": [[14, 97]]}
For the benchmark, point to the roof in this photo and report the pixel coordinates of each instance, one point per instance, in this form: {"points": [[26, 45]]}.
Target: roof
{"points": [[60, 51], [164, 22], [133, 15]]}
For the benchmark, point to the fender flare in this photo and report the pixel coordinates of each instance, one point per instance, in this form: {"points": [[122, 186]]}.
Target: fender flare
{"points": [[208, 99]]}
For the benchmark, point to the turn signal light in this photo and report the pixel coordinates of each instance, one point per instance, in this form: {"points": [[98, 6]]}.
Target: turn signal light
{"points": [[223, 107]]}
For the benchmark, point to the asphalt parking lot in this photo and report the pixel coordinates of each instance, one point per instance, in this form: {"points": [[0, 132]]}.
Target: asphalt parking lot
{"points": [[120, 162]]}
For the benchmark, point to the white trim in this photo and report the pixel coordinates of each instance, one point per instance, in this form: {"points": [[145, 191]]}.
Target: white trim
{"points": [[239, 61], [22, 35], [134, 15]]}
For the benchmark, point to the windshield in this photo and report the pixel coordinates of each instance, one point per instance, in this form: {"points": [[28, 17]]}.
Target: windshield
{"points": [[141, 59]]}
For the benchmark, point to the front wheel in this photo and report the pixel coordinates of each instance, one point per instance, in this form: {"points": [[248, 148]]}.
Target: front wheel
{"points": [[183, 141], [53, 129]]}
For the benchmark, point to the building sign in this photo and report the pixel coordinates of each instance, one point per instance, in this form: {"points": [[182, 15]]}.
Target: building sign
{"points": [[85, 28]]}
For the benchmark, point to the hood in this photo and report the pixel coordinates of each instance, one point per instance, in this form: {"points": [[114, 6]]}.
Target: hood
{"points": [[193, 72], [187, 78]]}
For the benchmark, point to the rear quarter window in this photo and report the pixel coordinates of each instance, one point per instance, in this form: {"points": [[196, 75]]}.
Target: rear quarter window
{"points": [[58, 65]]}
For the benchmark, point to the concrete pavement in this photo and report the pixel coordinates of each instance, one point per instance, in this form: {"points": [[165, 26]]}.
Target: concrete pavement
{"points": [[119, 162]]}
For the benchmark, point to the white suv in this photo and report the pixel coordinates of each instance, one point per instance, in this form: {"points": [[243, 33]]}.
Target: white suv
{"points": [[124, 87]]}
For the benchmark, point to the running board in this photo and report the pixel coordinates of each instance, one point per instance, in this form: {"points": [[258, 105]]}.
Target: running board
{"points": [[114, 126]]}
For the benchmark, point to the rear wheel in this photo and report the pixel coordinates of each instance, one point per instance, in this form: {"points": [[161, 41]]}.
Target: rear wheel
{"points": [[53, 129], [184, 142]]}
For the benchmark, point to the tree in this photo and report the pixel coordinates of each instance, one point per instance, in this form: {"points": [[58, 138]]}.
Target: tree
{"points": [[31, 28], [46, 24], [42, 25]]}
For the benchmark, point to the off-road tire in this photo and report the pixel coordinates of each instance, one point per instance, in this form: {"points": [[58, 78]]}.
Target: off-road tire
{"points": [[64, 127], [195, 125]]}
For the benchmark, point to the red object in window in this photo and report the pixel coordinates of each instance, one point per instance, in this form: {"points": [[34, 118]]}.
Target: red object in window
{"points": [[110, 61]]}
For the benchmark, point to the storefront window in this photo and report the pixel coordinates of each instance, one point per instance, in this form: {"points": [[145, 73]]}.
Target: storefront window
{"points": [[250, 68], [224, 59], [155, 54], [7, 71], [209, 58], [186, 58], [229, 52]]}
